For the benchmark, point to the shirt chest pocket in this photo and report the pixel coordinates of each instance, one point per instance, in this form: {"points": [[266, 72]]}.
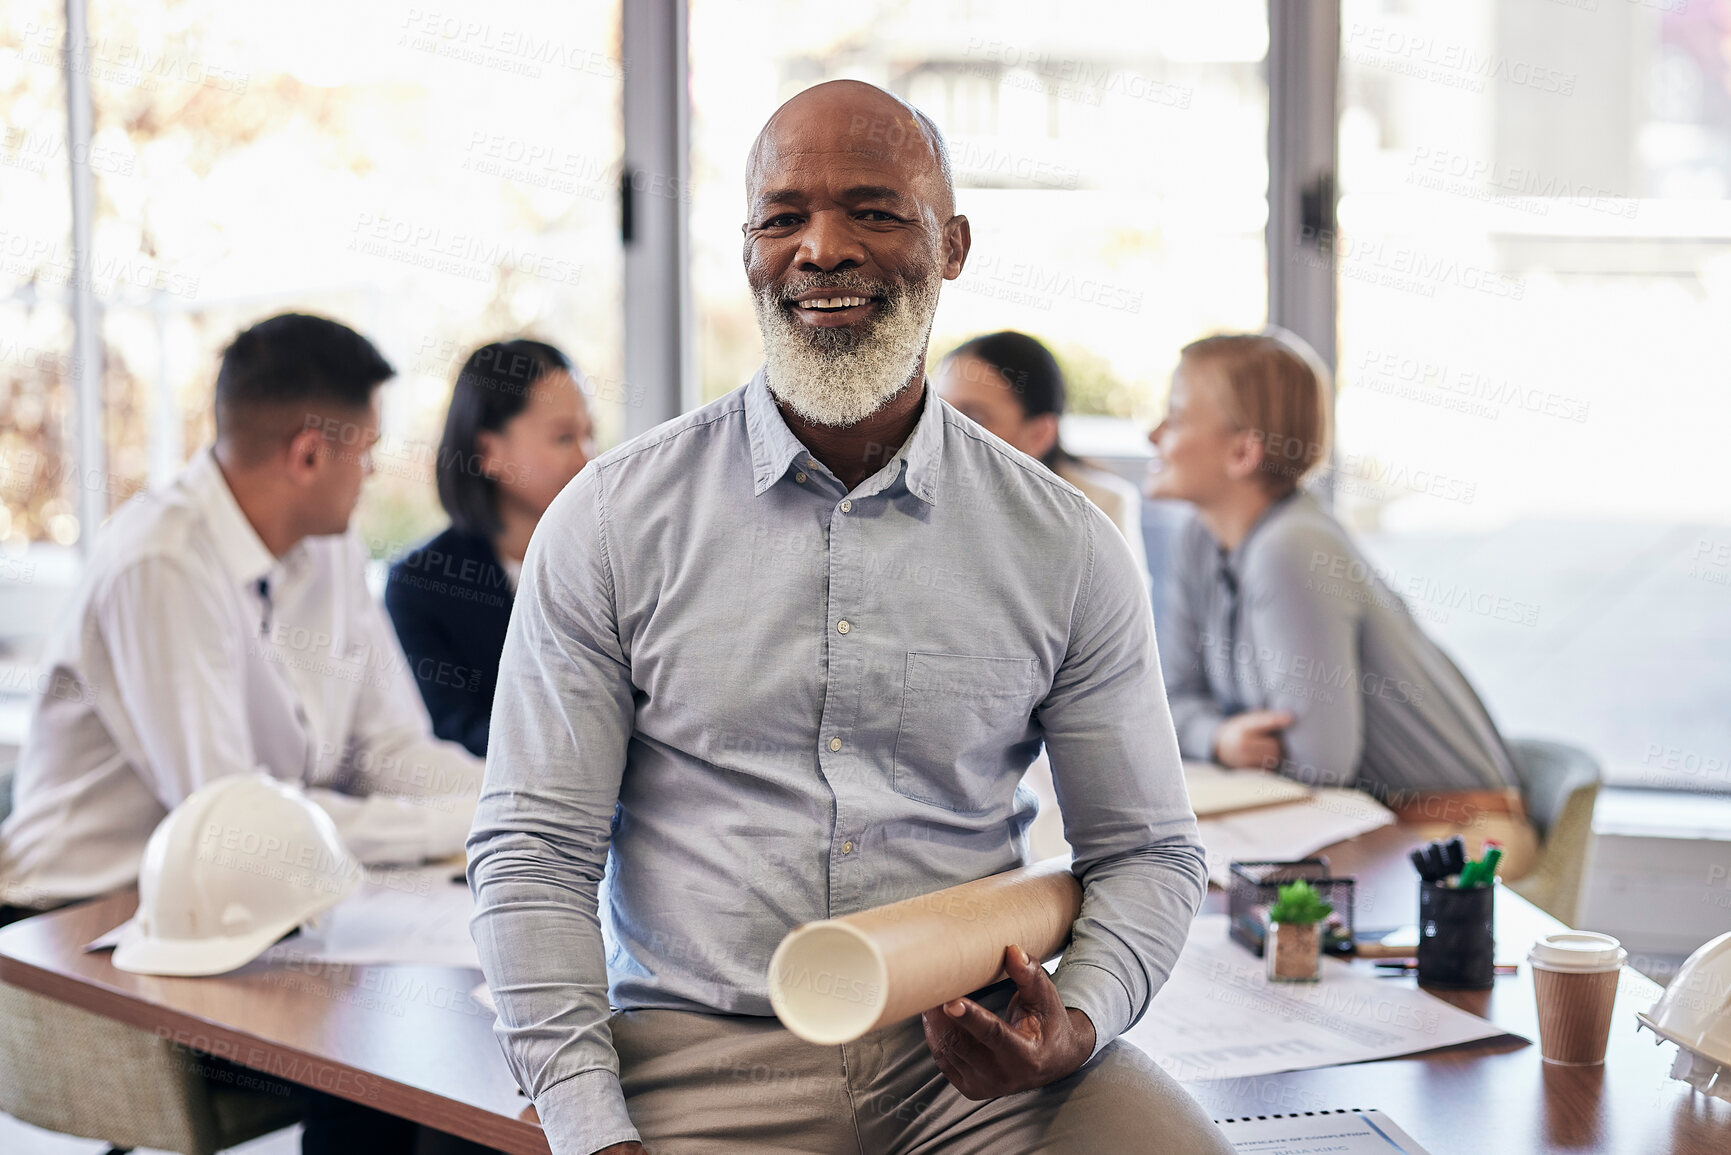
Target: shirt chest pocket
{"points": [[959, 716]]}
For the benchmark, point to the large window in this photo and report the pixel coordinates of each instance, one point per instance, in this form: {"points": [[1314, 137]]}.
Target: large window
{"points": [[435, 177], [1533, 250], [1535, 324], [1110, 158], [36, 424]]}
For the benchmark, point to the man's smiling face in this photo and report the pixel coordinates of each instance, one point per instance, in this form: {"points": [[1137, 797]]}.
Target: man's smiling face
{"points": [[850, 232]]}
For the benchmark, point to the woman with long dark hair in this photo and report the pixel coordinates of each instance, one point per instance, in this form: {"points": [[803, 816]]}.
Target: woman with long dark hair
{"points": [[1013, 386], [517, 431]]}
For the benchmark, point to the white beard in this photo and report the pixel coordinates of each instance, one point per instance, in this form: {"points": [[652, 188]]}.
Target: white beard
{"points": [[829, 377]]}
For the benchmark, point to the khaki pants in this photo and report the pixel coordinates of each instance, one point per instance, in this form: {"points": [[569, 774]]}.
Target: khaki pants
{"points": [[730, 1084]]}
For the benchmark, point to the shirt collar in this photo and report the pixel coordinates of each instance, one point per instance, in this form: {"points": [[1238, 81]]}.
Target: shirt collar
{"points": [[924, 451], [1235, 558], [774, 447], [238, 545]]}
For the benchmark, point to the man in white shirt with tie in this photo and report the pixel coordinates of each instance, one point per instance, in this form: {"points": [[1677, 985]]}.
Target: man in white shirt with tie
{"points": [[224, 626]]}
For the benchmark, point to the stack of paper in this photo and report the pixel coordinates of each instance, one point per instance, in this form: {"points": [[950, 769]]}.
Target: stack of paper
{"points": [[414, 915], [1217, 790], [1218, 1016], [1290, 830]]}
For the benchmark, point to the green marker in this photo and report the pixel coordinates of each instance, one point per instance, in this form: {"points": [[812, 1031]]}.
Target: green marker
{"points": [[1488, 868], [1483, 871]]}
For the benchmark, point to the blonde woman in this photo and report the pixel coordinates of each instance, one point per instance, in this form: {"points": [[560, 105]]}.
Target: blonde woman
{"points": [[1285, 649]]}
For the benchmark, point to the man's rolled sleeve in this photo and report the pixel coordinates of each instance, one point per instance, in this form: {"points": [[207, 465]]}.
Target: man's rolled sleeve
{"points": [[585, 1113], [1120, 787], [561, 721], [1099, 994]]}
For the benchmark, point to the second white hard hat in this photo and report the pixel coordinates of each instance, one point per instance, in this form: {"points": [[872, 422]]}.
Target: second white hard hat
{"points": [[1695, 1013], [237, 865]]}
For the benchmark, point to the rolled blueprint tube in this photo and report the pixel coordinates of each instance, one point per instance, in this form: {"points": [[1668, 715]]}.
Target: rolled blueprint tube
{"points": [[832, 981]]}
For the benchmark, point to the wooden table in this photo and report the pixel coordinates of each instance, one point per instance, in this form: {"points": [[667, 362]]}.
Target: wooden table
{"points": [[1495, 1096], [411, 1041], [405, 1039]]}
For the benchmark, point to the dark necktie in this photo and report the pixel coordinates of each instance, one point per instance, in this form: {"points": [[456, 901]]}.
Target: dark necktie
{"points": [[1231, 702], [263, 588]]}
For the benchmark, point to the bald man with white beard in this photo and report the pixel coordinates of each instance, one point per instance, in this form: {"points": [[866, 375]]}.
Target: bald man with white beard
{"points": [[788, 657]]}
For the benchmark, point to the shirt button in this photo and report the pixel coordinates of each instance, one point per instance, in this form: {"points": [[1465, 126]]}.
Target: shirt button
{"points": [[847, 507], [799, 477], [847, 848], [810, 464], [842, 626], [835, 743]]}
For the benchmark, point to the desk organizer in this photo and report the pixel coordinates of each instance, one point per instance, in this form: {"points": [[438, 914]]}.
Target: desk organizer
{"points": [[1457, 938], [1256, 885]]}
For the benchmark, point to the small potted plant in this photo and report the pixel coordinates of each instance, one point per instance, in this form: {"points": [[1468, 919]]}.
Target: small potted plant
{"points": [[1292, 946]]}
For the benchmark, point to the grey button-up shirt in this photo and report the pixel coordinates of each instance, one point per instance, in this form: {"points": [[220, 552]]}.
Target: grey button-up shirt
{"points": [[753, 698], [1297, 619]]}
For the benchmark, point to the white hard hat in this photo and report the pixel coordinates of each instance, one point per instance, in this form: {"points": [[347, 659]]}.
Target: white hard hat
{"points": [[1695, 1013], [237, 865]]}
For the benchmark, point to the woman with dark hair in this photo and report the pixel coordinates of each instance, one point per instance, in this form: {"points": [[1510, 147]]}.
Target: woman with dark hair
{"points": [[1012, 385], [517, 431]]}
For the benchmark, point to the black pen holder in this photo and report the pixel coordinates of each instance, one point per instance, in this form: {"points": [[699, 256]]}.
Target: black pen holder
{"points": [[1456, 943]]}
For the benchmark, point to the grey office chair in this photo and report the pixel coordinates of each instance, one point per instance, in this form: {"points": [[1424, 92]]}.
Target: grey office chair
{"points": [[66, 1069], [1559, 785]]}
